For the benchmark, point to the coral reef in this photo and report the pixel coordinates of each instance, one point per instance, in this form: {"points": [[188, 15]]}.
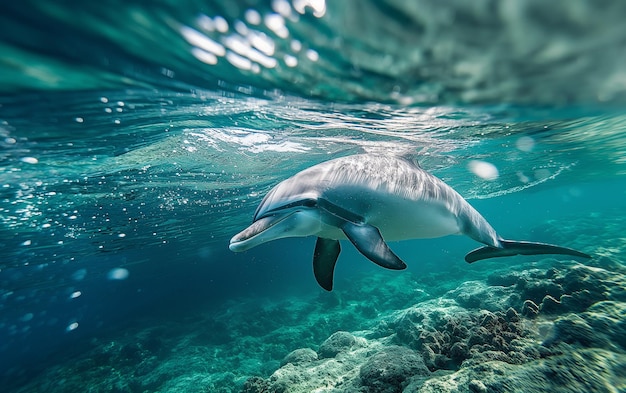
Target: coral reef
{"points": [[557, 326], [548, 326]]}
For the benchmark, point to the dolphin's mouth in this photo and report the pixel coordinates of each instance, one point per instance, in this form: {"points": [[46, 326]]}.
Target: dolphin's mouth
{"points": [[249, 237]]}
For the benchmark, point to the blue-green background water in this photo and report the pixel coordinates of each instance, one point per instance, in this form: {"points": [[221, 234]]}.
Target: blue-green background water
{"points": [[137, 137]]}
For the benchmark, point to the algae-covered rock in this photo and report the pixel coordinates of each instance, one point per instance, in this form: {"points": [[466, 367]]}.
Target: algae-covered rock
{"points": [[602, 325], [324, 375], [504, 279], [609, 319], [255, 385], [388, 370], [478, 295], [336, 343], [530, 309], [476, 386], [301, 355], [447, 335], [536, 286], [589, 370], [550, 305]]}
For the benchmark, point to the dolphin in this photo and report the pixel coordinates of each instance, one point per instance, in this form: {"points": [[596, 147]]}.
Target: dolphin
{"points": [[369, 200]]}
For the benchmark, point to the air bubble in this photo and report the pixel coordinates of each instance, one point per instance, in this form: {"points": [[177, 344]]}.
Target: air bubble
{"points": [[484, 170], [525, 143], [118, 274], [30, 160]]}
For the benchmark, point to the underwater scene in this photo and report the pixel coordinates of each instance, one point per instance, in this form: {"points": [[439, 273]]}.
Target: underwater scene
{"points": [[313, 196]]}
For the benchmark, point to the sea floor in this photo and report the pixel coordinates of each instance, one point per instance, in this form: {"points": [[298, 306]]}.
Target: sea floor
{"points": [[527, 325]]}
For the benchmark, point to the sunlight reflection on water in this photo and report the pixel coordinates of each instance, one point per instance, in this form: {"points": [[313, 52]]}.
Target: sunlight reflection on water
{"points": [[249, 48]]}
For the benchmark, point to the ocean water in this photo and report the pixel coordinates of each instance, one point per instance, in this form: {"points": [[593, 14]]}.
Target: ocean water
{"points": [[138, 137]]}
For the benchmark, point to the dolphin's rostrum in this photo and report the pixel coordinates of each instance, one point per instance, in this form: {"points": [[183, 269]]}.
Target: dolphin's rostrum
{"points": [[371, 199]]}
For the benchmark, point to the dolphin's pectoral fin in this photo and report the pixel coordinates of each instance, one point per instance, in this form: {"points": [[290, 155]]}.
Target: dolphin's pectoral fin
{"points": [[324, 259], [368, 240], [511, 247]]}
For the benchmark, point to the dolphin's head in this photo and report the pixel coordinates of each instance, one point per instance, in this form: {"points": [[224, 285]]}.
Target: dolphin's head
{"points": [[282, 213]]}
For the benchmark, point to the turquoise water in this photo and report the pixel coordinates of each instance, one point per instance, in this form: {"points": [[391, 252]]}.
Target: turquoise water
{"points": [[138, 137]]}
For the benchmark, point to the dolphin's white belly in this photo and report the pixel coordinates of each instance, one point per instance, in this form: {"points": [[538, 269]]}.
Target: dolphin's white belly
{"points": [[417, 221], [397, 218]]}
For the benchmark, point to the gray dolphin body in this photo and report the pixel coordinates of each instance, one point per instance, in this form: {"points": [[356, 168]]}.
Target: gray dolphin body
{"points": [[370, 199]]}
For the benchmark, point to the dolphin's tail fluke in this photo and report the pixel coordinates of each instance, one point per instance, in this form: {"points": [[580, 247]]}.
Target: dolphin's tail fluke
{"points": [[512, 247]]}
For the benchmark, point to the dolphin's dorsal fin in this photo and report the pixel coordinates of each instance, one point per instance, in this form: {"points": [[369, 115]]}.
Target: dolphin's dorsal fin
{"points": [[324, 260], [368, 240]]}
